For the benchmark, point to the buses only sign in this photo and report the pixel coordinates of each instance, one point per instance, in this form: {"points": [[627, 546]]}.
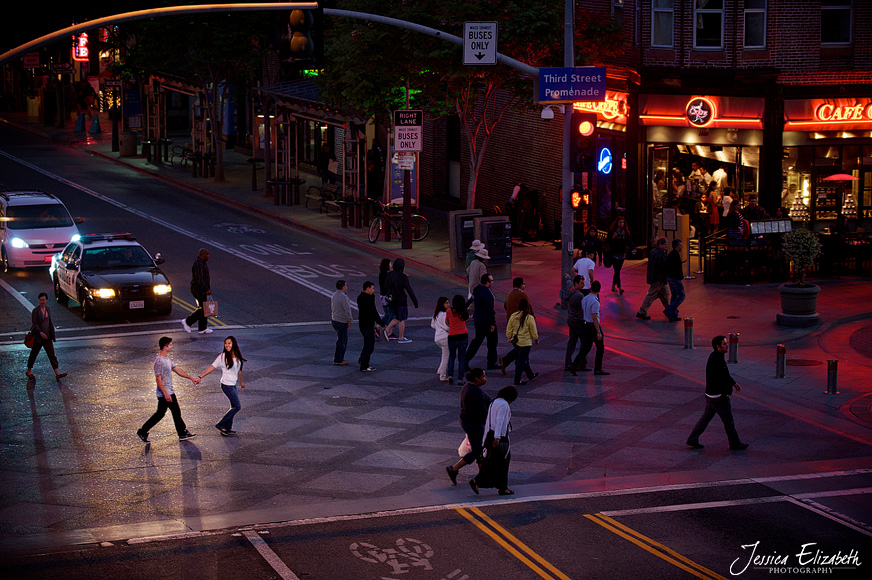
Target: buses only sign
{"points": [[408, 130]]}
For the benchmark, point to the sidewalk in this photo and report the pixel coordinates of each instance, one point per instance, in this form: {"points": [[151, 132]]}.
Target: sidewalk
{"points": [[381, 446]]}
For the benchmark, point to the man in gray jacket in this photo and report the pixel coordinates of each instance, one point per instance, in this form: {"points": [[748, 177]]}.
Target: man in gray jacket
{"points": [[342, 319]]}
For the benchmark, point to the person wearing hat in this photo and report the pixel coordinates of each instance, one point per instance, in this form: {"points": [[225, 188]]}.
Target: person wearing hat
{"points": [[470, 255], [477, 268]]}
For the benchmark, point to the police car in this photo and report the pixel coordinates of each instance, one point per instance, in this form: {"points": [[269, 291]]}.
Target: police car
{"points": [[110, 274], [34, 225]]}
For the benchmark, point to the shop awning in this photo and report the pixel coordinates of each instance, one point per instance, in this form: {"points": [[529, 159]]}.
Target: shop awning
{"points": [[301, 98], [727, 112]]}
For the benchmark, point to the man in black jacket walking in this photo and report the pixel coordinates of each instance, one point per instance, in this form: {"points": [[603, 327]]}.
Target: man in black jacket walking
{"points": [[369, 322], [675, 279], [201, 289], [656, 279], [397, 287], [719, 385]]}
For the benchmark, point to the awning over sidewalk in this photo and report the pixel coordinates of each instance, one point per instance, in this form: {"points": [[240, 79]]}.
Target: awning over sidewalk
{"points": [[301, 98]]}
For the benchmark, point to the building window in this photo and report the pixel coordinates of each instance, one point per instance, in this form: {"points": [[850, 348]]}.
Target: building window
{"points": [[661, 23], [618, 11], [836, 22], [708, 30], [755, 23]]}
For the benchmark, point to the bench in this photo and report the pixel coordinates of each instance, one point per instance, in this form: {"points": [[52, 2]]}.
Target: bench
{"points": [[327, 197]]}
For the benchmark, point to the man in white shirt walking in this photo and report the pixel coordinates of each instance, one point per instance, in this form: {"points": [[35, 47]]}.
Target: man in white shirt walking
{"points": [[342, 318]]}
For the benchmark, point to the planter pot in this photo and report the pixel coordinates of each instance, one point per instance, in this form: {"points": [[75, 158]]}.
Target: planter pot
{"points": [[799, 305]]}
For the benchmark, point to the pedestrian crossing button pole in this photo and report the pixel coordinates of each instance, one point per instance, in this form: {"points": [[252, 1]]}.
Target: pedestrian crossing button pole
{"points": [[780, 355], [832, 373], [733, 355], [688, 333]]}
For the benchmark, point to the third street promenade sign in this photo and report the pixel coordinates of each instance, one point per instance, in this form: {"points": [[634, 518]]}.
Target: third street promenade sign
{"points": [[408, 130], [567, 85]]}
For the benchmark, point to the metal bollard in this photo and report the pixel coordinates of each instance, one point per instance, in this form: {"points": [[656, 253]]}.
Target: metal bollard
{"points": [[780, 355], [688, 333], [832, 372], [734, 348]]}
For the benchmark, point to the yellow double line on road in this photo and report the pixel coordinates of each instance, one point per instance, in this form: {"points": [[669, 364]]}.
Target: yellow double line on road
{"points": [[548, 571], [656, 548], [192, 307]]}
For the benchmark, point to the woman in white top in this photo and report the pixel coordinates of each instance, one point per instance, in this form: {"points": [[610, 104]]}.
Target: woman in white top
{"points": [[230, 362], [440, 325], [494, 470]]}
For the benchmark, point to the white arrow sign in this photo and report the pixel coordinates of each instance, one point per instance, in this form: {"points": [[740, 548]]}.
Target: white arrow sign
{"points": [[479, 43]]}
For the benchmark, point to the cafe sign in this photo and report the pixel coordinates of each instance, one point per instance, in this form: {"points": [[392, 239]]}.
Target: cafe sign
{"points": [[827, 114], [613, 108], [700, 112]]}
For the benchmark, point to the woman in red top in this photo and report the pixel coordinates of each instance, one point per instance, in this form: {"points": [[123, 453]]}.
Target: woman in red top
{"points": [[458, 337]]}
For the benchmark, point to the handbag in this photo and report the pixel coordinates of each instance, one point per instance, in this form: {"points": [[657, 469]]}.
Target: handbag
{"points": [[210, 308], [28, 340], [464, 447]]}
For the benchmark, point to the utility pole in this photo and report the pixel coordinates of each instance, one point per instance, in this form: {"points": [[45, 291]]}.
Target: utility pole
{"points": [[567, 221]]}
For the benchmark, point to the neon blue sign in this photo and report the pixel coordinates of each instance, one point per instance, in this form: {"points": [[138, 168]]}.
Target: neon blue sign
{"points": [[605, 161]]}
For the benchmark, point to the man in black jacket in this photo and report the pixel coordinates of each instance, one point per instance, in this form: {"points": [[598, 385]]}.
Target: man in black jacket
{"points": [[397, 287], [484, 317], [675, 279], [201, 289], [719, 385], [369, 322], [656, 280], [473, 416]]}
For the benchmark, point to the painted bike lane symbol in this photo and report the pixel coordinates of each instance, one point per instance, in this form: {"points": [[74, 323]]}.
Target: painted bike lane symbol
{"points": [[408, 554]]}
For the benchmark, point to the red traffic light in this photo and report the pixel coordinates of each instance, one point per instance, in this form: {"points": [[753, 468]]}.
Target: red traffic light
{"points": [[586, 128]]}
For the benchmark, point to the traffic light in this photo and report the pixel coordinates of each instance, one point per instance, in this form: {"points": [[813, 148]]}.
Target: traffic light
{"points": [[582, 142], [306, 37]]}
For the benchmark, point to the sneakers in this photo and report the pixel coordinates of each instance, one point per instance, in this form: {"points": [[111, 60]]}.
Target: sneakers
{"points": [[185, 326], [641, 316], [142, 435], [404, 341], [340, 364], [444, 379], [696, 445], [207, 331], [533, 378], [186, 435], [389, 336], [368, 369]]}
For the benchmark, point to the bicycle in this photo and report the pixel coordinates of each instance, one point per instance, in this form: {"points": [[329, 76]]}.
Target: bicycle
{"points": [[383, 217]]}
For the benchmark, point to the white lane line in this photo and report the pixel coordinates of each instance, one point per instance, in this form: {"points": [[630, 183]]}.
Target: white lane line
{"points": [[271, 557], [206, 241], [834, 515], [17, 295]]}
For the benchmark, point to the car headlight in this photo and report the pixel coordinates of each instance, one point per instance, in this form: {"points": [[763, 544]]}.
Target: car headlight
{"points": [[18, 243], [75, 238], [162, 289], [102, 292]]}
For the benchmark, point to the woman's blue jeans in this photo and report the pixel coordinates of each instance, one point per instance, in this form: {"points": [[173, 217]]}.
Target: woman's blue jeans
{"points": [[457, 350], [226, 421]]}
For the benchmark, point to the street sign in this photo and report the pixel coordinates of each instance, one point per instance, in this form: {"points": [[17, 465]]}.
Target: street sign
{"points": [[31, 60], [112, 83], [62, 68], [479, 43], [408, 130], [406, 160], [567, 85]]}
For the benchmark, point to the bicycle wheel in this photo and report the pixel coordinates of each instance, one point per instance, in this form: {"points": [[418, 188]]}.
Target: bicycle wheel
{"points": [[420, 228], [375, 229]]}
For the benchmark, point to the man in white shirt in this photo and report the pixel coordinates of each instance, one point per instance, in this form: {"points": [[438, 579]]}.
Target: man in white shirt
{"points": [[585, 267], [720, 178], [342, 318]]}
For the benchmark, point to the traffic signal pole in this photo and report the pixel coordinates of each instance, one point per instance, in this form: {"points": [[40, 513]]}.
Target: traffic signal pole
{"points": [[567, 221]]}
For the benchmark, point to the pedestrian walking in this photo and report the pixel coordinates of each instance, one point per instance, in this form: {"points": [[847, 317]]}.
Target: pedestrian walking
{"points": [[341, 318], [592, 245], [476, 247], [511, 306], [620, 243], [719, 386], [458, 337], [575, 321], [484, 319], [473, 415], [585, 266], [43, 331], [201, 289], [384, 297], [522, 333], [592, 333], [369, 322], [494, 469], [440, 326], [675, 279], [164, 367], [656, 278], [230, 362], [398, 287], [476, 269]]}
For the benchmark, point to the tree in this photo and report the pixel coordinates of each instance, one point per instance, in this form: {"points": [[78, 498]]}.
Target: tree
{"points": [[214, 51], [368, 60]]}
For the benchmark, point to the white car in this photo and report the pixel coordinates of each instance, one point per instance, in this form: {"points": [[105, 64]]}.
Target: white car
{"points": [[34, 226]]}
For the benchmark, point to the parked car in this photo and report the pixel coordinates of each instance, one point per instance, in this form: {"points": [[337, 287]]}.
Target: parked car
{"points": [[34, 225], [111, 274]]}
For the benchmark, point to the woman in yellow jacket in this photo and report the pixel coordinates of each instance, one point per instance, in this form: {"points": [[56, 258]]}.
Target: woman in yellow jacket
{"points": [[522, 333]]}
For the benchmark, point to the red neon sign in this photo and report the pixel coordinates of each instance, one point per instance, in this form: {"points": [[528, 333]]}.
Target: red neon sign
{"points": [[830, 113], [80, 47], [700, 111]]}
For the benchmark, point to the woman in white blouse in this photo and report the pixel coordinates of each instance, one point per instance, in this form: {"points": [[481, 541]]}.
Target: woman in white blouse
{"points": [[494, 470], [230, 362], [440, 325]]}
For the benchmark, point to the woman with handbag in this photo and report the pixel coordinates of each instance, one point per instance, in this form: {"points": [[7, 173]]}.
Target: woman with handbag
{"points": [[440, 326], [43, 332], [473, 414], [619, 242], [230, 362], [494, 470], [522, 333]]}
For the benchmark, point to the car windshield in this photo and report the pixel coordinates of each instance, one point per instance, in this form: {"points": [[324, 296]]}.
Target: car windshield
{"points": [[120, 257], [31, 217]]}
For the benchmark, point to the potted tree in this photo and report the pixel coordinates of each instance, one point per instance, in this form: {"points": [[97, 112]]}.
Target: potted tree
{"points": [[799, 301]]}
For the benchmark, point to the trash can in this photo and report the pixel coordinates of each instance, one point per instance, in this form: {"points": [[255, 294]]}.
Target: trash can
{"points": [[127, 144]]}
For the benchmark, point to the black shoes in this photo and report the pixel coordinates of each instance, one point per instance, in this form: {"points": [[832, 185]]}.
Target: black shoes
{"points": [[503, 366], [473, 485], [186, 435], [506, 491], [533, 378], [452, 474], [696, 445], [641, 316], [142, 435], [739, 447], [600, 372]]}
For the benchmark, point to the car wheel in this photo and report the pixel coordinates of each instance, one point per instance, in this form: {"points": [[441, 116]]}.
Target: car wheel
{"points": [[4, 261], [87, 309], [59, 294]]}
